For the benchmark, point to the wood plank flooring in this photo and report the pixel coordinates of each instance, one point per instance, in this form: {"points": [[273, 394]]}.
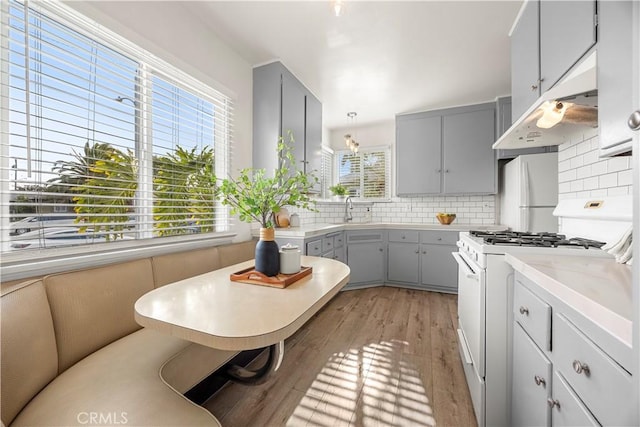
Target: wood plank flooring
{"points": [[372, 357]]}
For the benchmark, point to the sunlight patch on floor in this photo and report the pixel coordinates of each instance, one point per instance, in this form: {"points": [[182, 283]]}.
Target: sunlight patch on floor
{"points": [[370, 385]]}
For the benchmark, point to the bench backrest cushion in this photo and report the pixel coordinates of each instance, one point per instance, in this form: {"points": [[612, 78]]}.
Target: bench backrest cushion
{"points": [[94, 307], [181, 265], [28, 346], [237, 252]]}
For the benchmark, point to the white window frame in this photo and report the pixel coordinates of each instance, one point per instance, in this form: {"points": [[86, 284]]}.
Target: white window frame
{"points": [[17, 264], [384, 148]]}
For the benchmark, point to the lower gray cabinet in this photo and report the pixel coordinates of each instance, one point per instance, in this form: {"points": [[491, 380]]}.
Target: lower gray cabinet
{"points": [[366, 257], [588, 387], [404, 263], [531, 382], [439, 270]]}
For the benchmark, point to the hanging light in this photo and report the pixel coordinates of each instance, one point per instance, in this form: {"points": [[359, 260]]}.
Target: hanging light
{"points": [[348, 139], [338, 7]]}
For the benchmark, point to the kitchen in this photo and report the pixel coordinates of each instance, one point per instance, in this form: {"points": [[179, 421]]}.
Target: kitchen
{"points": [[580, 170]]}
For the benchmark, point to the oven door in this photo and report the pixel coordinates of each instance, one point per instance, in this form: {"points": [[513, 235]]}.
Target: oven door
{"points": [[471, 330]]}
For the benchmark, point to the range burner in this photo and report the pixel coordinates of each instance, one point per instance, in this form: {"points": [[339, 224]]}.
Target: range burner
{"points": [[545, 240]]}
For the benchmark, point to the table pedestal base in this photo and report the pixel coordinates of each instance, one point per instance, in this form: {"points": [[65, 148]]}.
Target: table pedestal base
{"points": [[259, 376]]}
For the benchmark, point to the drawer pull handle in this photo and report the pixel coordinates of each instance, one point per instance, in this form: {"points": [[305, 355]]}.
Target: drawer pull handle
{"points": [[524, 311], [580, 367], [417, 251], [553, 402], [403, 237], [539, 380], [380, 249]]}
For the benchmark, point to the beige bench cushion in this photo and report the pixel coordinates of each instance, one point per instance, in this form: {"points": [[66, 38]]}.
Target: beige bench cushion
{"points": [[238, 252], [92, 308], [121, 381], [177, 266], [28, 348]]}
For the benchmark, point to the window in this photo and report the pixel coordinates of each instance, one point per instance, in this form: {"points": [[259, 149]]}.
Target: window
{"points": [[365, 173], [100, 131], [326, 174]]}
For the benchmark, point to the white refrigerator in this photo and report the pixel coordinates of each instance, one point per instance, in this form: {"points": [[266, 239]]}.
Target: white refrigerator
{"points": [[530, 193]]}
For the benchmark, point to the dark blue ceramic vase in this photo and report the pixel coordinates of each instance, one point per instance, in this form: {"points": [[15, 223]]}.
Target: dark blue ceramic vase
{"points": [[267, 253]]}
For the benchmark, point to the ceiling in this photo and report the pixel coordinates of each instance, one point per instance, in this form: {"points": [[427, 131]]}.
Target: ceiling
{"points": [[379, 58]]}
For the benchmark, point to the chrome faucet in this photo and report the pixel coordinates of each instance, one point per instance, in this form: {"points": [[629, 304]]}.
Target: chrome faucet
{"points": [[347, 212]]}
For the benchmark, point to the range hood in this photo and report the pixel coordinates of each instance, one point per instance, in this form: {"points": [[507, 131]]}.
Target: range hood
{"points": [[572, 103]]}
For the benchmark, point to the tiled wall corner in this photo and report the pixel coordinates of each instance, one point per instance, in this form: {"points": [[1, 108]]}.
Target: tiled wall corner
{"points": [[582, 173]]}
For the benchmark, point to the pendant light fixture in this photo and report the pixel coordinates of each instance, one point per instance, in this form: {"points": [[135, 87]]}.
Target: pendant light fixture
{"points": [[348, 139], [338, 7]]}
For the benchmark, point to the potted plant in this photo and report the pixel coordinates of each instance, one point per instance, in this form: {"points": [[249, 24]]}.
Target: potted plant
{"points": [[254, 196], [338, 190]]}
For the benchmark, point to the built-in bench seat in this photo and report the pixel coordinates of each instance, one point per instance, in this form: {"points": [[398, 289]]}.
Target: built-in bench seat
{"points": [[72, 353]]}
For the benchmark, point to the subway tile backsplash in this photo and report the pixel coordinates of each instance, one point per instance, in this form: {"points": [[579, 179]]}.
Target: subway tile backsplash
{"points": [[582, 173], [471, 209]]}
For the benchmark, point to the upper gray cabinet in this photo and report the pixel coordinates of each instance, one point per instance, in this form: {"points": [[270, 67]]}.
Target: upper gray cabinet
{"points": [[615, 77], [525, 60], [549, 38], [567, 32], [281, 104], [446, 151]]}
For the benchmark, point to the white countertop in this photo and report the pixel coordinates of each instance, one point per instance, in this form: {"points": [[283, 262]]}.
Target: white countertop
{"points": [[211, 310], [598, 288], [312, 230]]}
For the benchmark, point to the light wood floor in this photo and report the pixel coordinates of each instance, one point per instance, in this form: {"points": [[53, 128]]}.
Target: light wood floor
{"points": [[373, 357]]}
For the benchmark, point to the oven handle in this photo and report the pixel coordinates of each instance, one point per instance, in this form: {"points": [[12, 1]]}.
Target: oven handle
{"points": [[465, 350], [468, 271]]}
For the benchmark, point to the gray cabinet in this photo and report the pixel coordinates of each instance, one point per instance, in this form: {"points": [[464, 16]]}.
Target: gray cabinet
{"points": [[447, 151], [439, 271], [281, 104], [525, 59], [549, 38], [531, 382], [615, 76], [588, 387], [567, 32], [418, 154], [366, 257], [469, 164], [423, 260], [333, 246]]}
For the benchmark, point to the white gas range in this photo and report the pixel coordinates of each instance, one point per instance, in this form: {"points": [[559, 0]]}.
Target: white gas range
{"points": [[485, 287]]}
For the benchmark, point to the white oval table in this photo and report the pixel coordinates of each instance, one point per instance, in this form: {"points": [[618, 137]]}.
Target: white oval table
{"points": [[214, 311]]}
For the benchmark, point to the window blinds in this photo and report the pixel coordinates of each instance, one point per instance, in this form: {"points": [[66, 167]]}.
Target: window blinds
{"points": [[102, 138], [366, 173]]}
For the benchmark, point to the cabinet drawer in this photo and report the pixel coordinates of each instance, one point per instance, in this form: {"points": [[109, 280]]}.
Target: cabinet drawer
{"points": [[403, 236], [533, 314], [568, 410], [327, 244], [439, 237], [314, 247], [338, 241], [598, 380]]}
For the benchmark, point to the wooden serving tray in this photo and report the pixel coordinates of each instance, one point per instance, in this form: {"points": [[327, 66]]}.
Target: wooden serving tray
{"points": [[250, 275]]}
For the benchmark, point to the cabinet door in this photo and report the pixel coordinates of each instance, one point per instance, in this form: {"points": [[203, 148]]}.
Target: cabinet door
{"points": [[469, 160], [366, 261], [313, 138], [531, 380], [614, 76], [439, 268], [525, 60], [568, 409], [293, 115], [418, 154], [567, 32], [403, 262]]}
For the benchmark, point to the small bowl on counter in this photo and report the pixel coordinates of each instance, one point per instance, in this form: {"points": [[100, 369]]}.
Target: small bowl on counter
{"points": [[445, 218]]}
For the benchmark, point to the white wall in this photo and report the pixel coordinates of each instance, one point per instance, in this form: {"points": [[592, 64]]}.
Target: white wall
{"points": [[171, 32]]}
